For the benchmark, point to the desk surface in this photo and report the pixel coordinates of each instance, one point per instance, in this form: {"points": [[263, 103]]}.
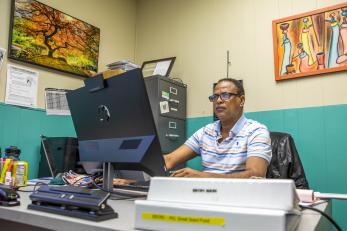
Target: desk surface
{"points": [[124, 208], [310, 220]]}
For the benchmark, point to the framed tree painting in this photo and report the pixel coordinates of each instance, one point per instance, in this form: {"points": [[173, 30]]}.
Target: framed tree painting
{"points": [[42, 35], [311, 43]]}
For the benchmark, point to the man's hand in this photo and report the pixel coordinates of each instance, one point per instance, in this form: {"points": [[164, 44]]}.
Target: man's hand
{"points": [[188, 172], [119, 181]]}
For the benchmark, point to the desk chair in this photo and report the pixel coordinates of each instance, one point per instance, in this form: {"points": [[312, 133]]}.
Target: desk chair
{"points": [[285, 162]]}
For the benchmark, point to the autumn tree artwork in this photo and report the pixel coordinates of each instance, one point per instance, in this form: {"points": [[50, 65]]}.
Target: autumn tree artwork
{"points": [[48, 37]]}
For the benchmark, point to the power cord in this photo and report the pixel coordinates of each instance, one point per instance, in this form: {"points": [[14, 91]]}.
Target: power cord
{"points": [[330, 219], [124, 196], [34, 190]]}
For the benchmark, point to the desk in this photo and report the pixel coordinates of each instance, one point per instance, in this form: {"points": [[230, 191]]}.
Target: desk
{"points": [[13, 218]]}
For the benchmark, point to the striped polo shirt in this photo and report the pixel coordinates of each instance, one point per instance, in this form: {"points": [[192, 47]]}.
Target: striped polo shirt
{"points": [[247, 138]]}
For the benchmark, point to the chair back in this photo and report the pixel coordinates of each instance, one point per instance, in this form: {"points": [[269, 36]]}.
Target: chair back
{"points": [[285, 162]]}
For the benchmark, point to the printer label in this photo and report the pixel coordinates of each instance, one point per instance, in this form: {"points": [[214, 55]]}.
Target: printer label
{"points": [[218, 221], [203, 190]]}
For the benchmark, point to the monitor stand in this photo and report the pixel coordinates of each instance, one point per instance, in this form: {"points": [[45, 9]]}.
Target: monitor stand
{"points": [[108, 176], [119, 193]]}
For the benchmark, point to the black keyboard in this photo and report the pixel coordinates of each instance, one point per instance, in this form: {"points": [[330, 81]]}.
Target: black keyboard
{"points": [[142, 183], [142, 186]]}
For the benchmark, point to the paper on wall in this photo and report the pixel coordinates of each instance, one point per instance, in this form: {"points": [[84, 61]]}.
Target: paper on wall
{"points": [[56, 102], [21, 86]]}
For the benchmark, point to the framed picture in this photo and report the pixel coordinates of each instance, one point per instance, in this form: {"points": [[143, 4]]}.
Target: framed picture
{"points": [[42, 35], [311, 43], [158, 67]]}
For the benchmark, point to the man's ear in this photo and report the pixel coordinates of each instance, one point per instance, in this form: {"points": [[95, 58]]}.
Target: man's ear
{"points": [[242, 100]]}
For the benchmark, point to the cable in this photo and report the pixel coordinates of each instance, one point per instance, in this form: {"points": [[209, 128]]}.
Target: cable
{"points": [[324, 214], [125, 196], [37, 184]]}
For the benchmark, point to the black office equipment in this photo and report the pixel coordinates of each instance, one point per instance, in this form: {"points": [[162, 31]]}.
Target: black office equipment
{"points": [[115, 125], [72, 201], [58, 155], [168, 102], [8, 196]]}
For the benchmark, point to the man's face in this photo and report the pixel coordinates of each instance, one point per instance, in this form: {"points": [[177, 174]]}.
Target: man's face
{"points": [[231, 108]]}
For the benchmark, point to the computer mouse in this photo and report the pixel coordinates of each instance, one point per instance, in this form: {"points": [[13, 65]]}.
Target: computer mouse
{"points": [[8, 196]]}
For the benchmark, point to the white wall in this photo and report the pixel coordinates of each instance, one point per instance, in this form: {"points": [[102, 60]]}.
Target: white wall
{"points": [[199, 32], [116, 20]]}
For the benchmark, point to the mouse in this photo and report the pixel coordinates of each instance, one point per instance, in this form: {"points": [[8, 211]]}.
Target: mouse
{"points": [[8, 196]]}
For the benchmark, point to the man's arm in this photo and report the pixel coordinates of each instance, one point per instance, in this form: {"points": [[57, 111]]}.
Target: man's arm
{"points": [[255, 166], [179, 156]]}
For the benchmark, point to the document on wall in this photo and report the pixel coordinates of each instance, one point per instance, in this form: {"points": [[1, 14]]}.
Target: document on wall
{"points": [[56, 102], [21, 86]]}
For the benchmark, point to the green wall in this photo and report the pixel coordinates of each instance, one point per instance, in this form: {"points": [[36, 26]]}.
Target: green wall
{"points": [[22, 127], [320, 134]]}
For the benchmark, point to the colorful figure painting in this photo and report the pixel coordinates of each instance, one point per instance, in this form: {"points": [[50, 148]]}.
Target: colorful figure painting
{"points": [[311, 43], [42, 35]]}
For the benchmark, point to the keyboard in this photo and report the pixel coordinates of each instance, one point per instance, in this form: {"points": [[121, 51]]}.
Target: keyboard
{"points": [[138, 186]]}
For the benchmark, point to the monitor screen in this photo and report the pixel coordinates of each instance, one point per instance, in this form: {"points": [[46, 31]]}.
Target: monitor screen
{"points": [[114, 123], [58, 155]]}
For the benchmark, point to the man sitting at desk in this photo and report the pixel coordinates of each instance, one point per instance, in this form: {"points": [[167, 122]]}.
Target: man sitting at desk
{"points": [[232, 147]]}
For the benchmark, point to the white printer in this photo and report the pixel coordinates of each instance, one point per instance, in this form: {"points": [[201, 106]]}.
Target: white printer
{"points": [[208, 204]]}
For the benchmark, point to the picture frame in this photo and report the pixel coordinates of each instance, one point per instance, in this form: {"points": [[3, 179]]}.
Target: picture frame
{"points": [[310, 43], [158, 67], [44, 36]]}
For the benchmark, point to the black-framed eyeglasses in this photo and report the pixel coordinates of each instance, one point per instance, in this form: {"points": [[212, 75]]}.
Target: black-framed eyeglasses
{"points": [[225, 96]]}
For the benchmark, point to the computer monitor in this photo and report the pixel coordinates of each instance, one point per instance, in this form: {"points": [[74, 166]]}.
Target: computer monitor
{"points": [[58, 155], [114, 123]]}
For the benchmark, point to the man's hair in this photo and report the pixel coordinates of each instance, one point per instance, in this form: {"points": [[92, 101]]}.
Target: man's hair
{"points": [[237, 83]]}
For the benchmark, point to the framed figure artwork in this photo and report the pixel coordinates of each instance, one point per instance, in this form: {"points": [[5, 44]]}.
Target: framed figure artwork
{"points": [[311, 43]]}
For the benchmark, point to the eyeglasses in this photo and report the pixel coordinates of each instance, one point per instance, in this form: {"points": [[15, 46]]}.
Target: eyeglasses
{"points": [[225, 96]]}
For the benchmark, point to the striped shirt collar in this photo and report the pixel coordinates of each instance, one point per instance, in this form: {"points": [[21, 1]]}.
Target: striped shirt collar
{"points": [[236, 129]]}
